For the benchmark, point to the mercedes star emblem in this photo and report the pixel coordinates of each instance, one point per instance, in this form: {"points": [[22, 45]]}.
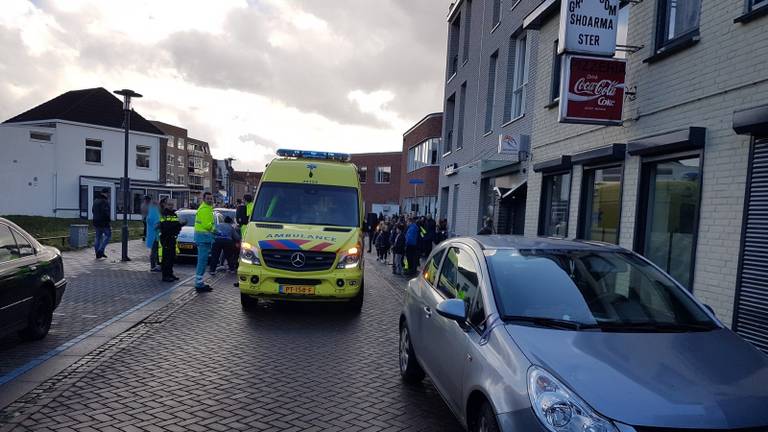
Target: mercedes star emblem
{"points": [[298, 259]]}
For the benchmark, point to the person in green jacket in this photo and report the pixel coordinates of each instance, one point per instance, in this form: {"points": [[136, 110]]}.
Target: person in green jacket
{"points": [[204, 227]]}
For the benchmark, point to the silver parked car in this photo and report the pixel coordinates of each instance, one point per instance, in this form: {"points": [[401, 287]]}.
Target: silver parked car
{"points": [[537, 335]]}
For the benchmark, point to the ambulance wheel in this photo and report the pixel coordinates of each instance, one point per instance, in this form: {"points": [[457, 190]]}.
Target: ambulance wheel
{"points": [[248, 303], [356, 305]]}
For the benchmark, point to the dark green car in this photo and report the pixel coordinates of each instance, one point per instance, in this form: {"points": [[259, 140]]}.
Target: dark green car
{"points": [[31, 283]]}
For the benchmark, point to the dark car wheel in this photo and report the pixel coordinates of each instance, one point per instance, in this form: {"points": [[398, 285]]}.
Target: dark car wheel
{"points": [[485, 420], [40, 318], [410, 369], [248, 303]]}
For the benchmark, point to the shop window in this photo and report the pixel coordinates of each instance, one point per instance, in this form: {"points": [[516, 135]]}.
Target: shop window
{"points": [[601, 204], [678, 21], [555, 205], [669, 206], [142, 156], [93, 151]]}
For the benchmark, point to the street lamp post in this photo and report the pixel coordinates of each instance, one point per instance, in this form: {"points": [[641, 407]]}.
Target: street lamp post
{"points": [[125, 182]]}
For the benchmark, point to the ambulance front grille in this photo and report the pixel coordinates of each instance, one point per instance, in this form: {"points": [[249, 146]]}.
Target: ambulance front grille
{"points": [[285, 260]]}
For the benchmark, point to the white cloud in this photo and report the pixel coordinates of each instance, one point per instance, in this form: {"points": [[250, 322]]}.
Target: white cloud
{"points": [[246, 78]]}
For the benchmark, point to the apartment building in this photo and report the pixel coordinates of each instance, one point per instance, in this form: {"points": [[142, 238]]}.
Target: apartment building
{"points": [[380, 175], [487, 128], [683, 180], [422, 150]]}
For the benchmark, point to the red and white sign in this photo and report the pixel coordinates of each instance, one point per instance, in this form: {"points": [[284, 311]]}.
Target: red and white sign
{"points": [[592, 90]]}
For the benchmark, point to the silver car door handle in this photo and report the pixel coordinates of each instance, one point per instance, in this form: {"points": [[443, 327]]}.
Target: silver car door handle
{"points": [[427, 312]]}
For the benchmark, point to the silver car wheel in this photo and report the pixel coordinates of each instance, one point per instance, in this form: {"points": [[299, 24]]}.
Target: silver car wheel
{"points": [[405, 342]]}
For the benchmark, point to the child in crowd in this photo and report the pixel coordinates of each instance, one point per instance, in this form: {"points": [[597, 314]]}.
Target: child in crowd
{"points": [[398, 249], [382, 243]]}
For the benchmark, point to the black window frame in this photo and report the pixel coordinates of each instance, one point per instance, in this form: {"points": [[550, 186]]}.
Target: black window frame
{"points": [[557, 64], [90, 144], [490, 96], [752, 11], [544, 214], [454, 45], [362, 174], [585, 198], [641, 212], [462, 116], [450, 120], [662, 44], [495, 13]]}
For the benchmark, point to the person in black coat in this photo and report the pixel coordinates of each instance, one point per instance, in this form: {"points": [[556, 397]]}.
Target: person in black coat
{"points": [[102, 216], [170, 227]]}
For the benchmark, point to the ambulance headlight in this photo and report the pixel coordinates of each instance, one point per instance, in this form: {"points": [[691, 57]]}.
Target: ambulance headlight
{"points": [[249, 254], [349, 258]]}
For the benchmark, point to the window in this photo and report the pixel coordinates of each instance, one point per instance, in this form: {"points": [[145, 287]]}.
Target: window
{"points": [[383, 174], [754, 4], [93, 151], [8, 249], [180, 160], [307, 204], [25, 248], [476, 315], [195, 180], [467, 25], [556, 65], [39, 136], [521, 77], [668, 221], [496, 12], [517, 78], [430, 270], [180, 143], [678, 19], [450, 108], [458, 276], [462, 109], [180, 180], [171, 142], [363, 173], [490, 97], [424, 154], [142, 156], [555, 200], [601, 204], [453, 47], [171, 160]]}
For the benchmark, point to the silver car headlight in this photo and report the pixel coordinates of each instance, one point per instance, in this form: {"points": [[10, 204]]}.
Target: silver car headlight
{"points": [[559, 409]]}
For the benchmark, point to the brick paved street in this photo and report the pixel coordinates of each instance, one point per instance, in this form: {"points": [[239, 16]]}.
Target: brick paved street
{"points": [[201, 363], [97, 291]]}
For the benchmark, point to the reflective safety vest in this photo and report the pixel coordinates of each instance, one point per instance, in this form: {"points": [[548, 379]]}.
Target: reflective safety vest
{"points": [[248, 212], [172, 218], [204, 218]]}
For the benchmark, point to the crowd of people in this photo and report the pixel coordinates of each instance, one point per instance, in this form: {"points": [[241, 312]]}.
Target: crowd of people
{"points": [[407, 239]]}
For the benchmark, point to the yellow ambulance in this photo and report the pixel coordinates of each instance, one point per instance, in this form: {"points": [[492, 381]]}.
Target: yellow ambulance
{"points": [[304, 241]]}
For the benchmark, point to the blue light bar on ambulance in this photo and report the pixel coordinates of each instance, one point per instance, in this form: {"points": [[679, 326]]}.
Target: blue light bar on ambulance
{"points": [[307, 154]]}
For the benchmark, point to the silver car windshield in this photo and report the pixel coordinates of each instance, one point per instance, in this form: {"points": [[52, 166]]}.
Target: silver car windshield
{"points": [[590, 289]]}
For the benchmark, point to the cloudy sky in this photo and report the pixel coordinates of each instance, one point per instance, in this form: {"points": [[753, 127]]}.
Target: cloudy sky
{"points": [[248, 76]]}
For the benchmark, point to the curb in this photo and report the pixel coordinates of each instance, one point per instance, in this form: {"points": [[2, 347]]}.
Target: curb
{"points": [[26, 378]]}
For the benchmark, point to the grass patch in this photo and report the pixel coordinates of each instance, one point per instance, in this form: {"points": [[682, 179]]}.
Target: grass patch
{"points": [[55, 231]]}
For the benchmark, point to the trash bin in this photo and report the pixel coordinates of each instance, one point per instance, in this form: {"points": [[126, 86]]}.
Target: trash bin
{"points": [[78, 236]]}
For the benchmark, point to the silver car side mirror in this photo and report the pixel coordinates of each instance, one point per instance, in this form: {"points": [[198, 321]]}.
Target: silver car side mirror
{"points": [[453, 309]]}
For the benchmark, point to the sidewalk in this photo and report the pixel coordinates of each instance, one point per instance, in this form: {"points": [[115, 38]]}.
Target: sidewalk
{"points": [[96, 292]]}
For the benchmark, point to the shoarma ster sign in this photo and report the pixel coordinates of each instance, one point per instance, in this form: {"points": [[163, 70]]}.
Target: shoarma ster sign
{"points": [[592, 90]]}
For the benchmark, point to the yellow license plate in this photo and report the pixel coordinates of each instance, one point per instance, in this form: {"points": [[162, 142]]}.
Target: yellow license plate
{"points": [[186, 246], [297, 289]]}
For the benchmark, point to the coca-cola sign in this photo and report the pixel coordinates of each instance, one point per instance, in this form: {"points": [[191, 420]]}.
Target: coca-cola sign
{"points": [[592, 90]]}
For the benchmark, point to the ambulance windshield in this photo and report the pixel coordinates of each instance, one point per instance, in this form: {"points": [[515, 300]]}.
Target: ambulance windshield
{"points": [[306, 204]]}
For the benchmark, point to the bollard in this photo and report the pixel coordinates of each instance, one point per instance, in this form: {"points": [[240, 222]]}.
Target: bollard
{"points": [[78, 236]]}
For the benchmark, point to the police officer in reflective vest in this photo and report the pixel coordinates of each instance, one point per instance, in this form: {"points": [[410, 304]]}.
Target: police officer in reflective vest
{"points": [[170, 226]]}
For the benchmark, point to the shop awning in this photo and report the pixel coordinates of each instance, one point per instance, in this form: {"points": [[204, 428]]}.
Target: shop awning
{"points": [[507, 192], [692, 138]]}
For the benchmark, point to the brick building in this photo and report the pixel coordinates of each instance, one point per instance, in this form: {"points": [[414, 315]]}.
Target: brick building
{"points": [[188, 162], [244, 182], [681, 182], [422, 149], [380, 176]]}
